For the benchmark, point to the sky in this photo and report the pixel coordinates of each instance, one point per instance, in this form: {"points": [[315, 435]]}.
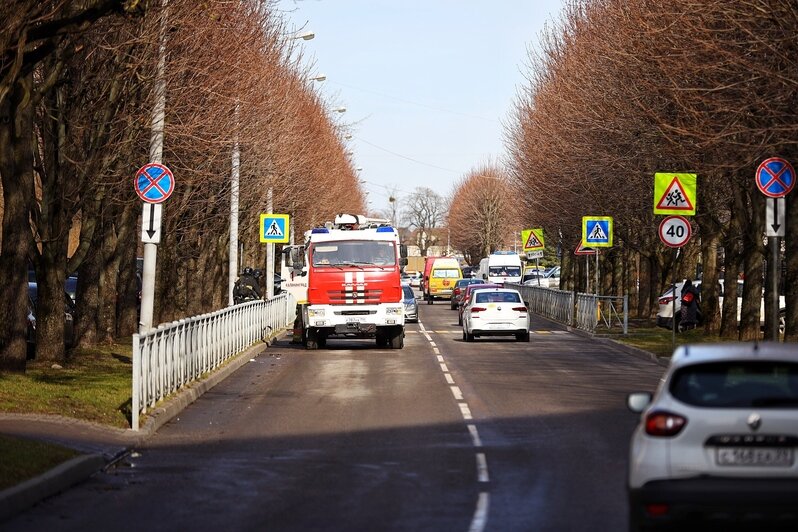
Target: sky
{"points": [[427, 84]]}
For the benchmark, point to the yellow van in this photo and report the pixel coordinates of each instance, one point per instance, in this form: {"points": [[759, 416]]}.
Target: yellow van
{"points": [[443, 274]]}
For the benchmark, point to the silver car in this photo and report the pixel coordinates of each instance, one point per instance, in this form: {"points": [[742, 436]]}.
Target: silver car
{"points": [[410, 303]]}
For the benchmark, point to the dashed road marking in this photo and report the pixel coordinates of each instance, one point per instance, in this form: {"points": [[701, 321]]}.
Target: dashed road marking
{"points": [[465, 410], [444, 368], [440, 358], [449, 378], [475, 435], [456, 392], [480, 518], [482, 468]]}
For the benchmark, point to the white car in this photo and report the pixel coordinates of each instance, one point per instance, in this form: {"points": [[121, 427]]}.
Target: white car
{"points": [[717, 441], [665, 301], [495, 312]]}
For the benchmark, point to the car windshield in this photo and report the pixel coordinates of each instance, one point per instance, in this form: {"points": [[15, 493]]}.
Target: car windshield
{"points": [[739, 384], [504, 271], [361, 252], [497, 297], [408, 292], [445, 274]]}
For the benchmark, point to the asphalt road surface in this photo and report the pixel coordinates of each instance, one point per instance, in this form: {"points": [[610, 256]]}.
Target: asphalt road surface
{"points": [[494, 435]]}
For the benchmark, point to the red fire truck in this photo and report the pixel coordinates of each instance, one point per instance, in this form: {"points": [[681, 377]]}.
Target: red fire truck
{"points": [[346, 279]]}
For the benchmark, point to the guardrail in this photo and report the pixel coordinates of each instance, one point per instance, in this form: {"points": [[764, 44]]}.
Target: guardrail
{"points": [[586, 313], [550, 303], [174, 354]]}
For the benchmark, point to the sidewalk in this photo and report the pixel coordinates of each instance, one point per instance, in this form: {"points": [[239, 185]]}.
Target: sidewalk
{"points": [[100, 445]]}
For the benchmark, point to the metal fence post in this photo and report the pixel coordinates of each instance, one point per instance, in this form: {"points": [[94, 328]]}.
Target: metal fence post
{"points": [[136, 399], [625, 314]]}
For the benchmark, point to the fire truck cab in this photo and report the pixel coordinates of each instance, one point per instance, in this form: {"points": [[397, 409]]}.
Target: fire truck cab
{"points": [[350, 269]]}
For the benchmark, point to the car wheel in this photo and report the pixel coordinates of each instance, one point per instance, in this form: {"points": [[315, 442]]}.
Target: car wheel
{"points": [[522, 337], [460, 319], [465, 338], [469, 337], [452, 307]]}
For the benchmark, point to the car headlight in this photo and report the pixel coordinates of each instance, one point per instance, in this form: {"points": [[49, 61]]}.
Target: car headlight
{"points": [[394, 311], [316, 313], [409, 306]]}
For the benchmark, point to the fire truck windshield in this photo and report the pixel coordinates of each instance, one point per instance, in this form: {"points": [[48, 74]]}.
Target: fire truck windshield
{"points": [[355, 252]]}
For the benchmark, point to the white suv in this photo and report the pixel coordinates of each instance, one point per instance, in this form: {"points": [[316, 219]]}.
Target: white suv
{"points": [[717, 441]]}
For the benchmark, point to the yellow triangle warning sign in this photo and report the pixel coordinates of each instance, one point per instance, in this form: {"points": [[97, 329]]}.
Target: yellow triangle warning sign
{"points": [[674, 193], [532, 239]]}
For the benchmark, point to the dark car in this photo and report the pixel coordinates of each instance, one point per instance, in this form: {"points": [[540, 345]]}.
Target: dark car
{"points": [[459, 289], [467, 294]]}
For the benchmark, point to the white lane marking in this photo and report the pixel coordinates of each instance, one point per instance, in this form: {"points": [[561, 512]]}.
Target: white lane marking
{"points": [[432, 343], [482, 468], [428, 337], [440, 358], [480, 518], [457, 393], [421, 326], [436, 351], [444, 368], [465, 410], [449, 378], [475, 435]]}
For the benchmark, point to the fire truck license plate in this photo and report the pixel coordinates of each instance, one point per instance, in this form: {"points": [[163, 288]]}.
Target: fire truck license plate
{"points": [[355, 319]]}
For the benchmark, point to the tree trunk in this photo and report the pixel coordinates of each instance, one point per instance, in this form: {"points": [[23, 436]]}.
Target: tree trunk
{"points": [[645, 285], [127, 302], [791, 264], [107, 285], [710, 306], [88, 292], [16, 172], [753, 257]]}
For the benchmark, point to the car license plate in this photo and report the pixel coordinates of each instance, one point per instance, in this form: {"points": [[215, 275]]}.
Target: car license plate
{"points": [[755, 456], [354, 319]]}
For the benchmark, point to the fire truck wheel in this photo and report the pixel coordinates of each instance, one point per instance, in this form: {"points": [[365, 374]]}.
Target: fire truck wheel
{"points": [[397, 340], [312, 341]]}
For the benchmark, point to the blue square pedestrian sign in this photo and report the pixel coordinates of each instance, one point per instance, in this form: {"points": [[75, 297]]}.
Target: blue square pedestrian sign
{"points": [[597, 231], [274, 228]]}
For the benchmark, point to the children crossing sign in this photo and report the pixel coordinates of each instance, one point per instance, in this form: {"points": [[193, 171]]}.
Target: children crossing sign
{"points": [[274, 228], [675, 193], [532, 239], [597, 231]]}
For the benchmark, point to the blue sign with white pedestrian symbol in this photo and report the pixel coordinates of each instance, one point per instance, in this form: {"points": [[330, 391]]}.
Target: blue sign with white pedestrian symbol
{"points": [[597, 231], [154, 183], [775, 177], [274, 228]]}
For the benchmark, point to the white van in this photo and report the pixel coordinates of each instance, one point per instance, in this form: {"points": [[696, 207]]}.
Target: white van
{"points": [[501, 267]]}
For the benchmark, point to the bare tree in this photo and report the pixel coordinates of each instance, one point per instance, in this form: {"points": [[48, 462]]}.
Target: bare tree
{"points": [[424, 211]]}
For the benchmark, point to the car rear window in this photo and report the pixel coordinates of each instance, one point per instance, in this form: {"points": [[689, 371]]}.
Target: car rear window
{"points": [[744, 384], [443, 274], [498, 297], [408, 292]]}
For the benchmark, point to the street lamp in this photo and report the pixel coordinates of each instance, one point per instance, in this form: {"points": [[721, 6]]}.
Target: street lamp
{"points": [[339, 109], [305, 36], [320, 77]]}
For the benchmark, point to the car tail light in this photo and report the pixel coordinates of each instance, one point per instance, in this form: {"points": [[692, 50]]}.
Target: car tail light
{"points": [[657, 510], [665, 300], [477, 309], [662, 423], [519, 309]]}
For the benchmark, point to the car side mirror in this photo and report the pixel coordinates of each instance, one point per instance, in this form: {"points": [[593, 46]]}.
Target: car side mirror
{"points": [[403, 261], [403, 251], [638, 401]]}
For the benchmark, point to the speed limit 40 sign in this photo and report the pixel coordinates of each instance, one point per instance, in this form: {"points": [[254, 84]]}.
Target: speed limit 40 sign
{"points": [[675, 231]]}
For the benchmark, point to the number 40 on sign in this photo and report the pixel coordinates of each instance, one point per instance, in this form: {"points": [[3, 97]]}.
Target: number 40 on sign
{"points": [[675, 231]]}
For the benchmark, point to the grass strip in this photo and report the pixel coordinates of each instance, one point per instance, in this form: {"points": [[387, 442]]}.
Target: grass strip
{"points": [[24, 459]]}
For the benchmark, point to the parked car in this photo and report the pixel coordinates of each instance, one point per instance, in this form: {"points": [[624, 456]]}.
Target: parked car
{"points": [[534, 278], [415, 279], [665, 301], [410, 303], [459, 290], [467, 296], [496, 312], [717, 441], [69, 319]]}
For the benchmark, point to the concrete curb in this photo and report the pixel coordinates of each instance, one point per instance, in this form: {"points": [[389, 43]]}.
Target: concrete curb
{"points": [[18, 498], [21, 497]]}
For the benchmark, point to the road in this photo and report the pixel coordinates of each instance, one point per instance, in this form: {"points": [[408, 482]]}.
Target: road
{"points": [[441, 435]]}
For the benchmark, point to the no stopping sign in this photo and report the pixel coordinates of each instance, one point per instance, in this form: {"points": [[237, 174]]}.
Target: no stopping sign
{"points": [[675, 231]]}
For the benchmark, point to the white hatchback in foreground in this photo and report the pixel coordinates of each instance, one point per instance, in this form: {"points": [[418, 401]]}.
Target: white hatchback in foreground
{"points": [[495, 312], [717, 441]]}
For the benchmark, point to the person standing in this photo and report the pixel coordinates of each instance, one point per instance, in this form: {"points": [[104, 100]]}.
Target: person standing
{"points": [[689, 308]]}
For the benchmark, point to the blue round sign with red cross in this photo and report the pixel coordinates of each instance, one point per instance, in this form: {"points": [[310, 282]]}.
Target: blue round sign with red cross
{"points": [[775, 177], [154, 183]]}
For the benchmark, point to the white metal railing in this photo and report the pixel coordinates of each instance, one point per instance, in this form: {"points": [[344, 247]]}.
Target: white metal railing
{"points": [[174, 354], [593, 310], [554, 304]]}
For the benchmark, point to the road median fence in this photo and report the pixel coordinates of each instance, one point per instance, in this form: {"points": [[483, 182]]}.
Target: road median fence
{"points": [[587, 312], [177, 353]]}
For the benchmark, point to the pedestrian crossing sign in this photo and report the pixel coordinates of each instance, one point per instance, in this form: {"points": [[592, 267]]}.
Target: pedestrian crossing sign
{"points": [[597, 231], [274, 228], [532, 239]]}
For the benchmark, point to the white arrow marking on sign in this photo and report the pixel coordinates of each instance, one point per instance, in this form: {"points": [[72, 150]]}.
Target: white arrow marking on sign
{"points": [[151, 223], [775, 216]]}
